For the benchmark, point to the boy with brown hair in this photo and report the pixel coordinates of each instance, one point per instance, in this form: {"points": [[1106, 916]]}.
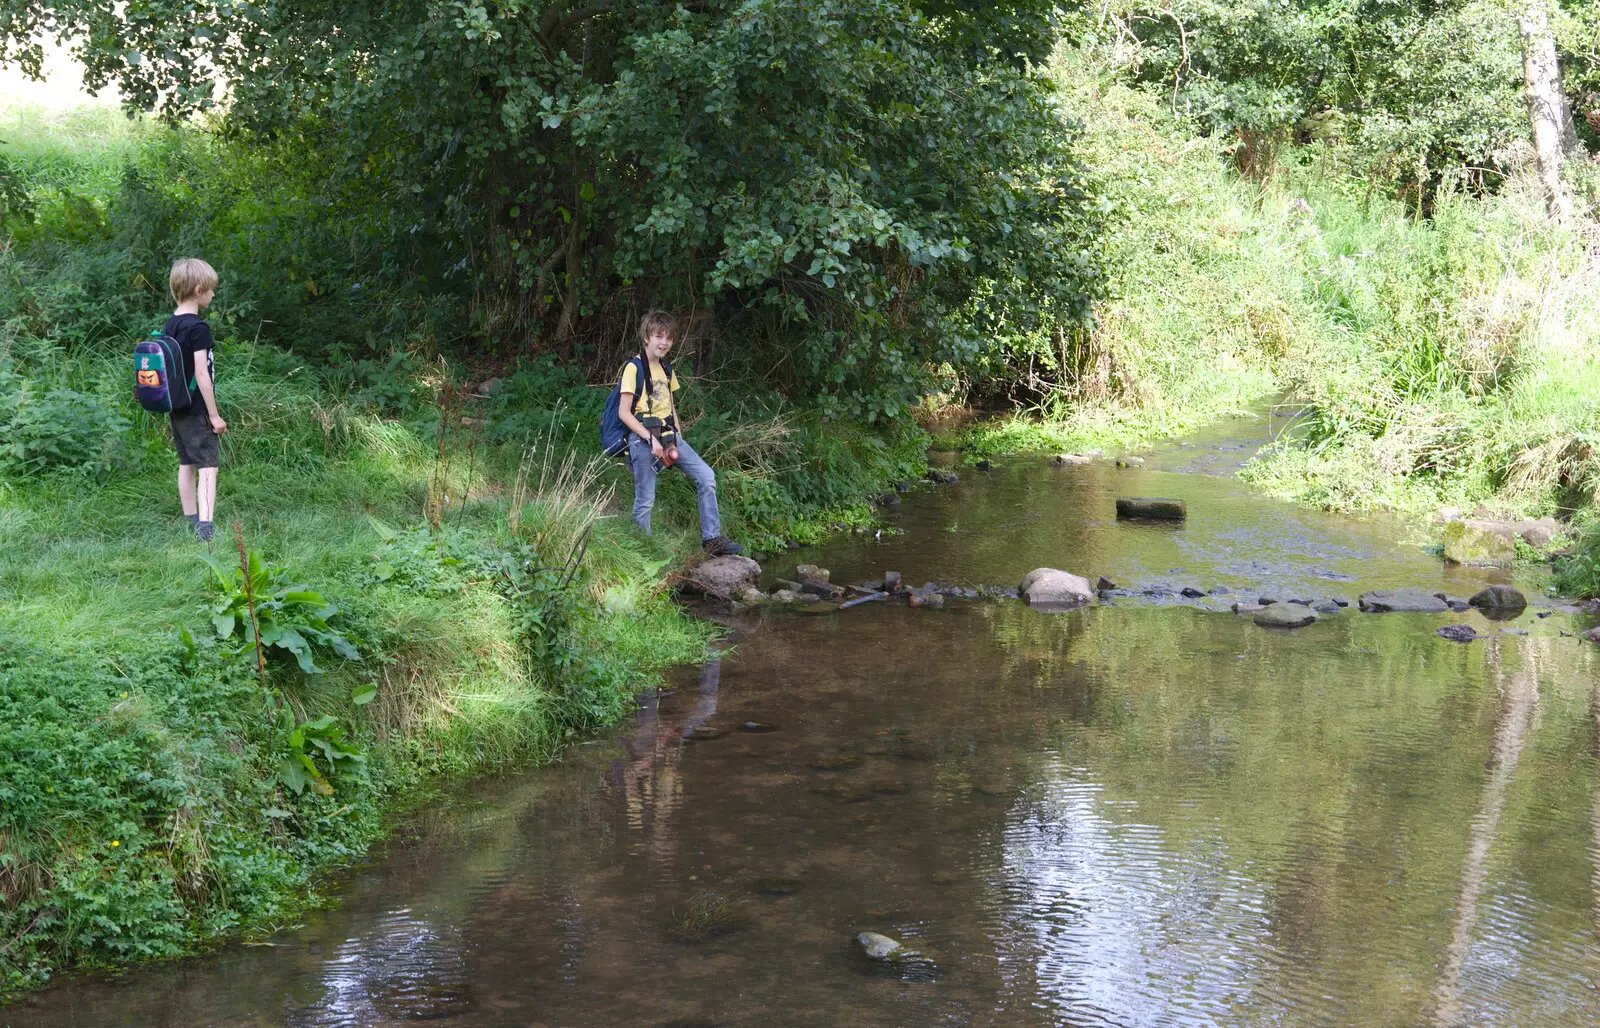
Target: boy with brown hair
{"points": [[649, 413], [196, 428]]}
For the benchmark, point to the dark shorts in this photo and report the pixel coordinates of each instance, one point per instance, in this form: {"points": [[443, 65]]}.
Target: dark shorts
{"points": [[192, 435]]}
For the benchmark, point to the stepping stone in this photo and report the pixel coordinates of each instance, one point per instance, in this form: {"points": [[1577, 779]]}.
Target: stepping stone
{"points": [[1160, 508], [1285, 615]]}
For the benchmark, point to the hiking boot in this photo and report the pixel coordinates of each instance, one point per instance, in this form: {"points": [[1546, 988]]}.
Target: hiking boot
{"points": [[722, 546]]}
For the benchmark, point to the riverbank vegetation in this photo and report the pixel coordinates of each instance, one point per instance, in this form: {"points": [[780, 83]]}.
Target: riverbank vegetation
{"points": [[1106, 224], [1344, 215], [415, 333]]}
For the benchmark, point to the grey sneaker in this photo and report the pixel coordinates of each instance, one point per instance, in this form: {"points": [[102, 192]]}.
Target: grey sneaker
{"points": [[721, 546]]}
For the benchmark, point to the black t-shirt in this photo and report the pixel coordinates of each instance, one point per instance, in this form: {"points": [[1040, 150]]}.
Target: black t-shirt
{"points": [[193, 335]]}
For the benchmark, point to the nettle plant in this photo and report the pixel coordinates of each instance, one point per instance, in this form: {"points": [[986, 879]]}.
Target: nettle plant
{"points": [[261, 609], [286, 617]]}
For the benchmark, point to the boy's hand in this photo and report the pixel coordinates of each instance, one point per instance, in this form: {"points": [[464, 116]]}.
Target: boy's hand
{"points": [[218, 425], [655, 448]]}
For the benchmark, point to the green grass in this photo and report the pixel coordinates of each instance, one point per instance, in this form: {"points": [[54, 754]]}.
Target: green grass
{"points": [[145, 809]]}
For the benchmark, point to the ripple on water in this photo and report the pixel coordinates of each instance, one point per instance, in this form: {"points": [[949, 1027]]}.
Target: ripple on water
{"points": [[404, 968]]}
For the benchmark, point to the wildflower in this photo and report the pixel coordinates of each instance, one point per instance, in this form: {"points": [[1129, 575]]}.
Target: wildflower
{"points": [[115, 843]]}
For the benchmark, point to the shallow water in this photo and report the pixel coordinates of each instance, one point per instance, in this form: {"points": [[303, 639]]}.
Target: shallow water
{"points": [[1146, 813]]}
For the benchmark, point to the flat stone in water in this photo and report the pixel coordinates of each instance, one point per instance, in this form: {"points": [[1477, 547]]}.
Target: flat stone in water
{"points": [[1285, 615], [1402, 601], [1457, 633], [1161, 508], [757, 727], [703, 733]]}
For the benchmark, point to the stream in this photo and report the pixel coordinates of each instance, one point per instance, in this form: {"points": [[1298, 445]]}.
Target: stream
{"points": [[1149, 812]]}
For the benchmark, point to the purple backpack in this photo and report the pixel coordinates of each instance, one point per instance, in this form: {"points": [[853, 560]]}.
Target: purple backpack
{"points": [[158, 382]]}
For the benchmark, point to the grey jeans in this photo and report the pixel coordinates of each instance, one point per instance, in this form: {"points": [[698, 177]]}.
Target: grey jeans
{"points": [[644, 485]]}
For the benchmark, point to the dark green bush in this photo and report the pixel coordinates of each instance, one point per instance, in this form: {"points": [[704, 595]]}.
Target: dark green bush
{"points": [[54, 428]]}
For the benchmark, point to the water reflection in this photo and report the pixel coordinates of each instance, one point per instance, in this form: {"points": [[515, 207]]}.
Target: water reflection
{"points": [[406, 968], [1135, 814]]}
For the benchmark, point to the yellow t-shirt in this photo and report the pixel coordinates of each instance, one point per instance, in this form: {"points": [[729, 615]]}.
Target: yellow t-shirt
{"points": [[659, 402]]}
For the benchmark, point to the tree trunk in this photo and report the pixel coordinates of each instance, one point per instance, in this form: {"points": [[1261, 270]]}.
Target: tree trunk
{"points": [[1547, 107]]}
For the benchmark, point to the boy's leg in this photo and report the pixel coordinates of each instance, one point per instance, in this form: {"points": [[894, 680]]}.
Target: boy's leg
{"points": [[644, 482], [186, 490], [705, 487], [206, 495]]}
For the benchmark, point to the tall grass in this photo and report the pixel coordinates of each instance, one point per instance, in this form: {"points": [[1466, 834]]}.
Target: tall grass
{"points": [[1450, 360]]}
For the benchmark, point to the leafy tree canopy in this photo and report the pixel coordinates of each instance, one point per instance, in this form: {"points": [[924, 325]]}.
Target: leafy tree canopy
{"points": [[854, 190], [1420, 87]]}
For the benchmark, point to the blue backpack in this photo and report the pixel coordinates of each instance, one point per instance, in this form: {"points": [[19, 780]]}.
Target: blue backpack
{"points": [[613, 433], [158, 382]]}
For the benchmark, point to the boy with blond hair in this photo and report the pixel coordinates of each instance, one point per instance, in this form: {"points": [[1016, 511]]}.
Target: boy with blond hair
{"points": [[195, 428], [648, 411]]}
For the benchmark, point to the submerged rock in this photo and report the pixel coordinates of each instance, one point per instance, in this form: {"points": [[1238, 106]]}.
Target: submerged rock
{"points": [[812, 571], [752, 596], [1104, 583], [844, 792], [1326, 605], [1483, 543], [757, 727], [780, 885], [1285, 615], [891, 581], [1191, 592], [1402, 601], [1159, 508], [725, 577], [1246, 607], [784, 596], [1457, 633], [1592, 635], [1499, 597], [880, 947], [1048, 587], [1130, 462], [926, 599], [1071, 458], [943, 477]]}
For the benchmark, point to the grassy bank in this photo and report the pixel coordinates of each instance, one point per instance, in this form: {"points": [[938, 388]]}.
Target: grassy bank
{"points": [[495, 595], [480, 596]]}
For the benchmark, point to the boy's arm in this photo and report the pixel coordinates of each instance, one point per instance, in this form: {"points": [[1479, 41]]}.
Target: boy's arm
{"points": [[202, 381], [625, 412]]}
